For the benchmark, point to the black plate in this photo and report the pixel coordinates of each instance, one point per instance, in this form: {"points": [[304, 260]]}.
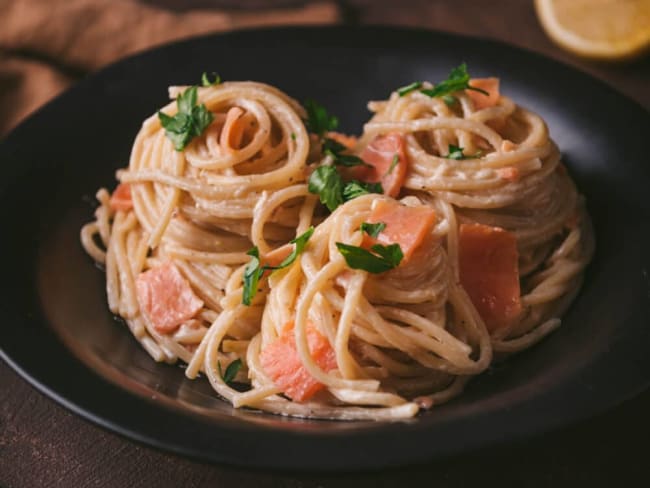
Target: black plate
{"points": [[58, 334]]}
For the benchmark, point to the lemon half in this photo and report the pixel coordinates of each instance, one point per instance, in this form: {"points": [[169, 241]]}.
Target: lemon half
{"points": [[599, 29]]}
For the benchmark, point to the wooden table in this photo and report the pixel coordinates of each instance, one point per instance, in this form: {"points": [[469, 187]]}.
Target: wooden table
{"points": [[42, 444]]}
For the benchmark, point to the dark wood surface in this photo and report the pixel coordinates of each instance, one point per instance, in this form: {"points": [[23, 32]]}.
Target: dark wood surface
{"points": [[512, 21], [43, 444]]}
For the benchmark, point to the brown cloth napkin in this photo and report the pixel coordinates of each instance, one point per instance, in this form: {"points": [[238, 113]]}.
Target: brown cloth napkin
{"points": [[45, 45]]}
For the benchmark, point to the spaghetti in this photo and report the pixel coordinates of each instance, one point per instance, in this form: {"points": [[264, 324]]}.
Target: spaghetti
{"points": [[196, 208], [518, 184], [373, 311]]}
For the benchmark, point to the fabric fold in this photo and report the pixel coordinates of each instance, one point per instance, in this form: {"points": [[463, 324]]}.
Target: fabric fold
{"points": [[46, 44]]}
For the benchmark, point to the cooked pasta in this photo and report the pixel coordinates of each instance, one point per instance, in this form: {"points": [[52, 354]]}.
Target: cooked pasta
{"points": [[196, 207], [518, 183], [367, 306]]}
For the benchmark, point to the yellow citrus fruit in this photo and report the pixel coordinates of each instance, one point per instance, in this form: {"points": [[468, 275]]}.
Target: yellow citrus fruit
{"points": [[600, 29]]}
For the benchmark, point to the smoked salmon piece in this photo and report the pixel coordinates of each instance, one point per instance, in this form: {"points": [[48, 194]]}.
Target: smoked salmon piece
{"points": [[282, 364], [406, 226], [166, 297], [481, 101], [489, 272], [121, 198], [386, 154]]}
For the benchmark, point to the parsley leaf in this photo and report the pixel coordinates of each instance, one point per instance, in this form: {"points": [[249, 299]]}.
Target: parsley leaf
{"points": [[334, 148], [252, 274], [331, 146], [458, 80], [190, 121], [318, 120], [231, 371], [187, 100], [326, 182], [205, 79], [405, 90], [449, 100], [384, 259], [374, 229], [391, 253], [254, 269], [456, 153], [300, 242], [353, 189]]}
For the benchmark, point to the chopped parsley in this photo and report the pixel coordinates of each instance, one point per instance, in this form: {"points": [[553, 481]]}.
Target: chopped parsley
{"points": [[326, 182], [300, 242], [318, 120], [458, 80], [205, 79], [335, 150], [449, 100], [405, 90], [355, 188], [231, 371], [372, 229], [254, 269], [382, 258], [252, 274], [190, 120], [456, 153], [293, 136]]}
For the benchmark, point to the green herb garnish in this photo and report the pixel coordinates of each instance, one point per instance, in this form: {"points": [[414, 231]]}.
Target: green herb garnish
{"points": [[300, 242], [458, 80], [332, 147], [449, 100], [405, 90], [231, 371], [254, 269], [372, 229], [383, 259], [293, 136], [326, 182], [252, 274], [318, 120], [205, 79], [190, 121], [355, 188], [456, 153], [335, 149]]}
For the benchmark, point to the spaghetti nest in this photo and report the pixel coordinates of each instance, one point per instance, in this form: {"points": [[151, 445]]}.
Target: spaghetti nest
{"points": [[496, 165], [400, 340], [240, 183]]}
